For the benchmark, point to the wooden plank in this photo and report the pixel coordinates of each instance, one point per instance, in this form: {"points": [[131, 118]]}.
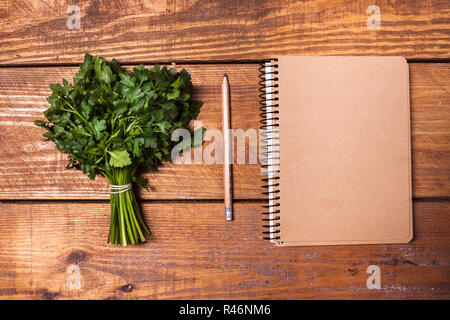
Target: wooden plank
{"points": [[430, 125], [33, 169], [195, 253], [36, 32]]}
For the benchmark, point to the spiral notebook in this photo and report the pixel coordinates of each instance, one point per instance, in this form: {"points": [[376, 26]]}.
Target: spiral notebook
{"points": [[336, 142]]}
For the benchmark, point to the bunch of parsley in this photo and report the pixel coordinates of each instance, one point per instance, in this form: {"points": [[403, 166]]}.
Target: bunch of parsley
{"points": [[110, 122]]}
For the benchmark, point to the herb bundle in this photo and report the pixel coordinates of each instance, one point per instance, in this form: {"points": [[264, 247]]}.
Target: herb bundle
{"points": [[110, 122]]}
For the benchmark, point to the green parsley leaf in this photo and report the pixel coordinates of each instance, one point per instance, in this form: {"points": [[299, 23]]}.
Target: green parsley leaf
{"points": [[119, 158]]}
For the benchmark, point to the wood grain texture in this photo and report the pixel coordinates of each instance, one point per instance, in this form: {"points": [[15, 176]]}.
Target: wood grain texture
{"points": [[35, 31], [32, 168], [194, 253], [430, 125]]}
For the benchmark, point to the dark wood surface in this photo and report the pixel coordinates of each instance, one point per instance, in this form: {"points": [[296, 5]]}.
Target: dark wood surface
{"points": [[194, 253], [53, 220], [35, 32]]}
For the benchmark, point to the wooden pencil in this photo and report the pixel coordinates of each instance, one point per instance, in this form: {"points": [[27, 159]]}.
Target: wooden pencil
{"points": [[227, 152]]}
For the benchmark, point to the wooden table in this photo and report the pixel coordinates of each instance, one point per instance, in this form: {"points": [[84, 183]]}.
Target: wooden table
{"points": [[54, 222]]}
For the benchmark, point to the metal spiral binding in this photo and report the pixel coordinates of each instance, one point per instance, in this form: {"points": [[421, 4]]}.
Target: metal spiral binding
{"points": [[270, 155]]}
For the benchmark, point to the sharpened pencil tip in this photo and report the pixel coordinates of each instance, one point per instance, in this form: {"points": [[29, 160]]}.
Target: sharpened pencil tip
{"points": [[225, 80]]}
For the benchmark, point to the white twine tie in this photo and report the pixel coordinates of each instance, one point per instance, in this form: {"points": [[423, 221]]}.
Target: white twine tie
{"points": [[115, 189]]}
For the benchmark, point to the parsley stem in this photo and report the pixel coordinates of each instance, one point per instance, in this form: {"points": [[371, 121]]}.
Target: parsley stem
{"points": [[75, 111], [126, 225]]}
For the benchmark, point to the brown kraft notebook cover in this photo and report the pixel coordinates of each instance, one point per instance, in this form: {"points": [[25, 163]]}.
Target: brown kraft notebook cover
{"points": [[345, 154]]}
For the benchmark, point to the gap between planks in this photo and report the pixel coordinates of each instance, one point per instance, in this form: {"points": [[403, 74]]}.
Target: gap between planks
{"points": [[196, 62], [190, 201]]}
